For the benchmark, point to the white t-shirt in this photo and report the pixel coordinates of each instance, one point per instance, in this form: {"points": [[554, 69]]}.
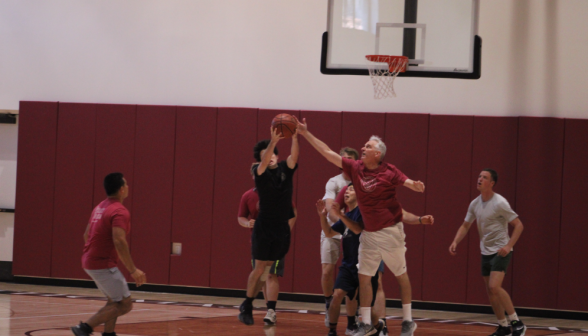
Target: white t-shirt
{"points": [[332, 189], [492, 218]]}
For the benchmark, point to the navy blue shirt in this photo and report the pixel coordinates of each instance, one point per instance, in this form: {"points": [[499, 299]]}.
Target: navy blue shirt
{"points": [[350, 240]]}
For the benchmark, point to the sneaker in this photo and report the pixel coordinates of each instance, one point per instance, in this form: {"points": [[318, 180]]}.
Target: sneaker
{"points": [[334, 332], [384, 331], [327, 319], [408, 328], [501, 331], [365, 330], [518, 328], [351, 331], [270, 317], [246, 314], [82, 329]]}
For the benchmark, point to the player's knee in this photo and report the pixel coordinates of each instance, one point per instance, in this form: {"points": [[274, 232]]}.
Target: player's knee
{"points": [[338, 295], [125, 306], [265, 273], [494, 289]]}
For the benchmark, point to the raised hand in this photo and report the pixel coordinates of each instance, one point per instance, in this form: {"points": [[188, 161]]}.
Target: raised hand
{"points": [[321, 208], [275, 135], [335, 209], [302, 127]]}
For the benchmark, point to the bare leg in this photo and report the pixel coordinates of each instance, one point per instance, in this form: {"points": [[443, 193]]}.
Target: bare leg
{"points": [[110, 324], [327, 280], [272, 286], [494, 301], [365, 294], [253, 283], [380, 304], [494, 287], [110, 312], [405, 288], [335, 308], [351, 305]]}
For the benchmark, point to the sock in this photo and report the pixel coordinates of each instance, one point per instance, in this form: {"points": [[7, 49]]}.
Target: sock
{"points": [[109, 334], [503, 322], [407, 311], [333, 326], [513, 317], [351, 322], [366, 314], [86, 327], [328, 300], [271, 305], [248, 302]]}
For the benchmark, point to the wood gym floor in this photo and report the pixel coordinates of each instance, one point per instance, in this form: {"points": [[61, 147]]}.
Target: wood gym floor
{"points": [[44, 310]]}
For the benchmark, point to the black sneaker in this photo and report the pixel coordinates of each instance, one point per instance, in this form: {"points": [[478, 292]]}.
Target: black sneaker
{"points": [[501, 331], [82, 329], [518, 328], [332, 332], [384, 331], [246, 314]]}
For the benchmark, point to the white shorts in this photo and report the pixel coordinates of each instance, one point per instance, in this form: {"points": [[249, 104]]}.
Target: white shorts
{"points": [[330, 250], [388, 245], [111, 282]]}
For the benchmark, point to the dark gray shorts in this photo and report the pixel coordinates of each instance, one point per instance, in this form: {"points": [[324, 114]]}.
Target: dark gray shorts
{"points": [[111, 282], [495, 263]]}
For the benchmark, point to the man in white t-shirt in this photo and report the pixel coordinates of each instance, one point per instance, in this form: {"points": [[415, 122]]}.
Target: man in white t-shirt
{"points": [[492, 213], [330, 247]]}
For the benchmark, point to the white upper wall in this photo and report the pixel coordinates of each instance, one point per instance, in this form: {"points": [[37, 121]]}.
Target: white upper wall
{"points": [[265, 53]]}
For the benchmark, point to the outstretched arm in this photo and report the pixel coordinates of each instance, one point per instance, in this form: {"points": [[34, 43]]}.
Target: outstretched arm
{"points": [[320, 146], [269, 151], [417, 186], [293, 158], [461, 233], [410, 218]]}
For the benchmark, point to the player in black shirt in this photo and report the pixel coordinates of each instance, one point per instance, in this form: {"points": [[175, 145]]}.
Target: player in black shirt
{"points": [[270, 240]]}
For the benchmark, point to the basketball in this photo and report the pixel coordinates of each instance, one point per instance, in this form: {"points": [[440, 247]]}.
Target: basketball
{"points": [[285, 124]]}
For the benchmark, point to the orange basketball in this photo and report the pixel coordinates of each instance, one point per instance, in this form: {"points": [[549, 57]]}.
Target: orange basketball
{"points": [[286, 124]]}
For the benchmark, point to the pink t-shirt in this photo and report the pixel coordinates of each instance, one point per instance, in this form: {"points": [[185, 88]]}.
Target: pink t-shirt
{"points": [[376, 193], [99, 251]]}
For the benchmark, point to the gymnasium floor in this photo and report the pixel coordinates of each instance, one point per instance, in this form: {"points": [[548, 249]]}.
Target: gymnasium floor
{"points": [[44, 310]]}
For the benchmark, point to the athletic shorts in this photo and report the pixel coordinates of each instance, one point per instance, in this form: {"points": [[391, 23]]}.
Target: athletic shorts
{"points": [[277, 267], [495, 263], [386, 245], [348, 280], [111, 282], [270, 241], [330, 248]]}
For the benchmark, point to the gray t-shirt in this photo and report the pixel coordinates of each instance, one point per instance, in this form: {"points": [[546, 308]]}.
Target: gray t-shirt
{"points": [[332, 189], [492, 218]]}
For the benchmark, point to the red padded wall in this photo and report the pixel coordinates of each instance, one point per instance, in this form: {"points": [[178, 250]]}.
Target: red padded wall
{"points": [[230, 256], [573, 268], [313, 174], [406, 140], [35, 183], [448, 195], [74, 187], [358, 127], [115, 149], [495, 146], [538, 203], [193, 192], [153, 190], [264, 119]]}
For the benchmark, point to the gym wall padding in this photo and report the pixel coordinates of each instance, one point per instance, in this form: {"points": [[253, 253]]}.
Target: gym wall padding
{"points": [[358, 127], [230, 256], [35, 186], [573, 268], [153, 190], [264, 120], [448, 195], [538, 203], [115, 150], [494, 146], [193, 192], [406, 140], [74, 187], [313, 174]]}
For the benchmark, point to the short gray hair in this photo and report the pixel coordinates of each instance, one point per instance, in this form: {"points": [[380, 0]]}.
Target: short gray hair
{"points": [[380, 145]]}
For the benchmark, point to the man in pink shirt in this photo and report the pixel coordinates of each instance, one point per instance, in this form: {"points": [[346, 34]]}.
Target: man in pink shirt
{"points": [[383, 235], [105, 242]]}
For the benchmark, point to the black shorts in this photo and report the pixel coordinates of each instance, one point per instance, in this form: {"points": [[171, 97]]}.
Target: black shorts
{"points": [[270, 241], [495, 263], [348, 280], [277, 267]]}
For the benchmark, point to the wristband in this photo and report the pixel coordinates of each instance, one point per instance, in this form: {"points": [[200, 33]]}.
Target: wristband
{"points": [[420, 220]]}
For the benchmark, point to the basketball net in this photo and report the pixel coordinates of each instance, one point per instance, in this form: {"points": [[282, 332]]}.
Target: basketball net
{"points": [[383, 79]]}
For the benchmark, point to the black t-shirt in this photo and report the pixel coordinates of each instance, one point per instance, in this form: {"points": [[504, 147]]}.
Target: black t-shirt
{"points": [[274, 188], [350, 240]]}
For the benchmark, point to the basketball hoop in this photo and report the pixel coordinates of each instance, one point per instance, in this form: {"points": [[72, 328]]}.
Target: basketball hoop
{"points": [[383, 79]]}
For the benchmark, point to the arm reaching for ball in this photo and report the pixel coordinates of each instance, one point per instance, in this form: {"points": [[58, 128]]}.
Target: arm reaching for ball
{"points": [[320, 146]]}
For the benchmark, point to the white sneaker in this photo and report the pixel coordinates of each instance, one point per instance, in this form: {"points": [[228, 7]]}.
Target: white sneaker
{"points": [[327, 319], [270, 317], [350, 332], [408, 328]]}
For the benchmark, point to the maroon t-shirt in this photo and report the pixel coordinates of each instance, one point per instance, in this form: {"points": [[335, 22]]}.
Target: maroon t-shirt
{"points": [[376, 193], [99, 251]]}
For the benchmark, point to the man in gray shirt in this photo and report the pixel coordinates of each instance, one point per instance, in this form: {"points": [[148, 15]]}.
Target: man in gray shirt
{"points": [[492, 213]]}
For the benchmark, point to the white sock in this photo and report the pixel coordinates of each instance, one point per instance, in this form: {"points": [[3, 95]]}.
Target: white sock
{"points": [[366, 314], [503, 323], [407, 311], [513, 317]]}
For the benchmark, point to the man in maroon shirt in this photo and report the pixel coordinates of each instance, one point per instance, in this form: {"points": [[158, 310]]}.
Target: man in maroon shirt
{"points": [[383, 235], [105, 242]]}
